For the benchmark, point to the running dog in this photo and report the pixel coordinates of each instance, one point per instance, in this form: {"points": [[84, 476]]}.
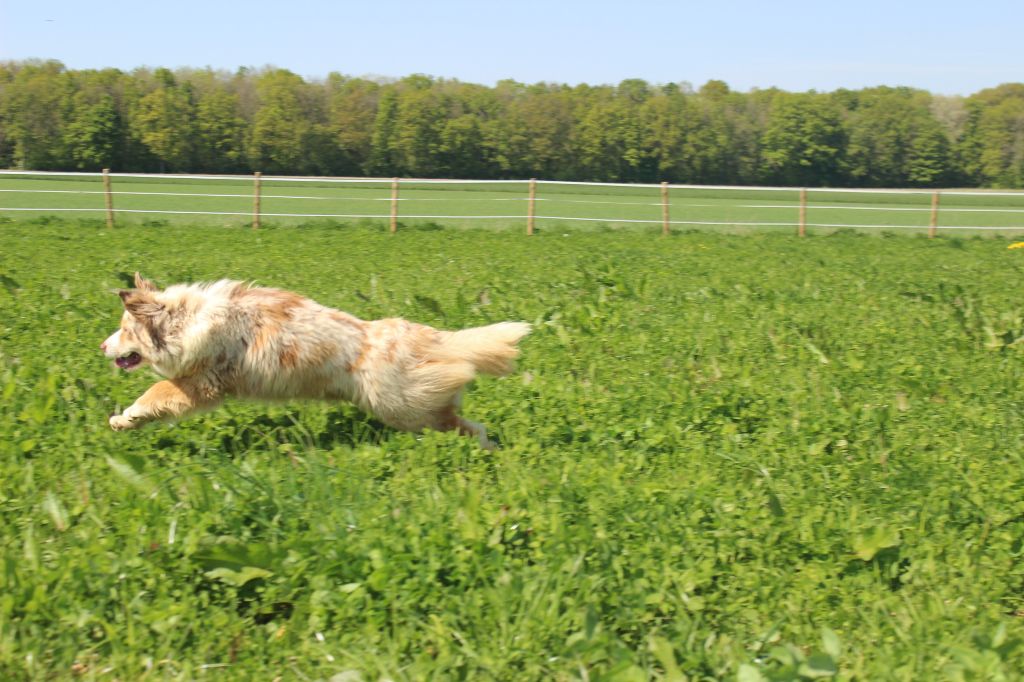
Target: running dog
{"points": [[228, 338]]}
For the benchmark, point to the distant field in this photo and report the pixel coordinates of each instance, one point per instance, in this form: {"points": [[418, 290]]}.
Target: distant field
{"points": [[230, 202], [725, 458]]}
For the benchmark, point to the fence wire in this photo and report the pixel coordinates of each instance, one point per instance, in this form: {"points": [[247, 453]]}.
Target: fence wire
{"points": [[669, 205]]}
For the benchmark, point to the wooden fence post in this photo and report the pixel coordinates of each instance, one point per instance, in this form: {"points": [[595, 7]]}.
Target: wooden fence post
{"points": [[394, 205], [664, 208], [256, 200], [531, 210], [934, 222], [803, 212], [108, 197]]}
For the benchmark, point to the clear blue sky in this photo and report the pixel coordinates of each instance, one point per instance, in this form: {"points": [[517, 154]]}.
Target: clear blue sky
{"points": [[945, 47]]}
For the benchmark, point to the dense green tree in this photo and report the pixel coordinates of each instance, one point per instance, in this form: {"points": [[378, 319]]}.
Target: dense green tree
{"points": [[803, 141], [461, 150], [420, 116], [664, 117], [220, 128], [352, 111], [607, 136], [93, 132], [747, 116], [459, 147], [992, 145], [7, 71], [894, 139], [220, 134], [531, 138], [381, 161], [281, 124], [930, 160], [611, 134], [715, 149], [274, 121], [164, 122], [34, 111]]}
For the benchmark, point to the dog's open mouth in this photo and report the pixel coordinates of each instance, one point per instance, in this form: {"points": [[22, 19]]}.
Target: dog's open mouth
{"points": [[129, 362]]}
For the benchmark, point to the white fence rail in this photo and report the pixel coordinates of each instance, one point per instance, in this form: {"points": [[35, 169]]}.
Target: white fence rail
{"points": [[253, 199]]}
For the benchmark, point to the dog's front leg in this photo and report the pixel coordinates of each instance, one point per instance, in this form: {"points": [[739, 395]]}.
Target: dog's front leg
{"points": [[164, 400]]}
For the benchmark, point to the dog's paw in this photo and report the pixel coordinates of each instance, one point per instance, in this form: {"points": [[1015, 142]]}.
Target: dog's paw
{"points": [[119, 422]]}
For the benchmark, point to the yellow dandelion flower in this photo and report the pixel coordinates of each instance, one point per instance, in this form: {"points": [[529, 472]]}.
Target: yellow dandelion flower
{"points": [[1016, 245]]}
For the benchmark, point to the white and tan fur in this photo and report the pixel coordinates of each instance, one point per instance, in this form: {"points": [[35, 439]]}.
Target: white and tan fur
{"points": [[224, 339]]}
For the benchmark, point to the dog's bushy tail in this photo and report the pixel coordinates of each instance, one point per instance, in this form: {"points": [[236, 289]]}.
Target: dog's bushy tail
{"points": [[451, 359], [489, 349]]}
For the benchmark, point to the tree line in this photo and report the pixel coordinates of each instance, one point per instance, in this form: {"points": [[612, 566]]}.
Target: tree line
{"points": [[274, 121]]}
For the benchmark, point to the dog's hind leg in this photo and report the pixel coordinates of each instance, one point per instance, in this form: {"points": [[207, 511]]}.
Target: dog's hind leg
{"points": [[468, 427], [165, 400], [448, 420]]}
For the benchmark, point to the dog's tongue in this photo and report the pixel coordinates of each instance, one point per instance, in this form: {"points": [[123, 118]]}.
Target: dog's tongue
{"points": [[129, 360]]}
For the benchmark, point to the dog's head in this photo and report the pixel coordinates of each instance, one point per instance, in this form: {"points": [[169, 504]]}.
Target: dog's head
{"points": [[140, 339]]}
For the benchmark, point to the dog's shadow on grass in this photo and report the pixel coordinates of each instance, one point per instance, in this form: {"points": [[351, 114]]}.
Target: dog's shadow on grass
{"points": [[346, 427], [337, 427]]}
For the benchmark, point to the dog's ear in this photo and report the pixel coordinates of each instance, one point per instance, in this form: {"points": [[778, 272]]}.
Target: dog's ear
{"points": [[141, 304], [143, 284]]}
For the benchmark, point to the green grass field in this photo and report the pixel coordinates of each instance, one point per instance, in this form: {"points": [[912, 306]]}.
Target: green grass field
{"points": [[230, 202], [724, 457]]}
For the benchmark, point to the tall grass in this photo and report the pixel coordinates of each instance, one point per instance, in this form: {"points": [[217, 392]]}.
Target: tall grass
{"points": [[723, 458]]}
